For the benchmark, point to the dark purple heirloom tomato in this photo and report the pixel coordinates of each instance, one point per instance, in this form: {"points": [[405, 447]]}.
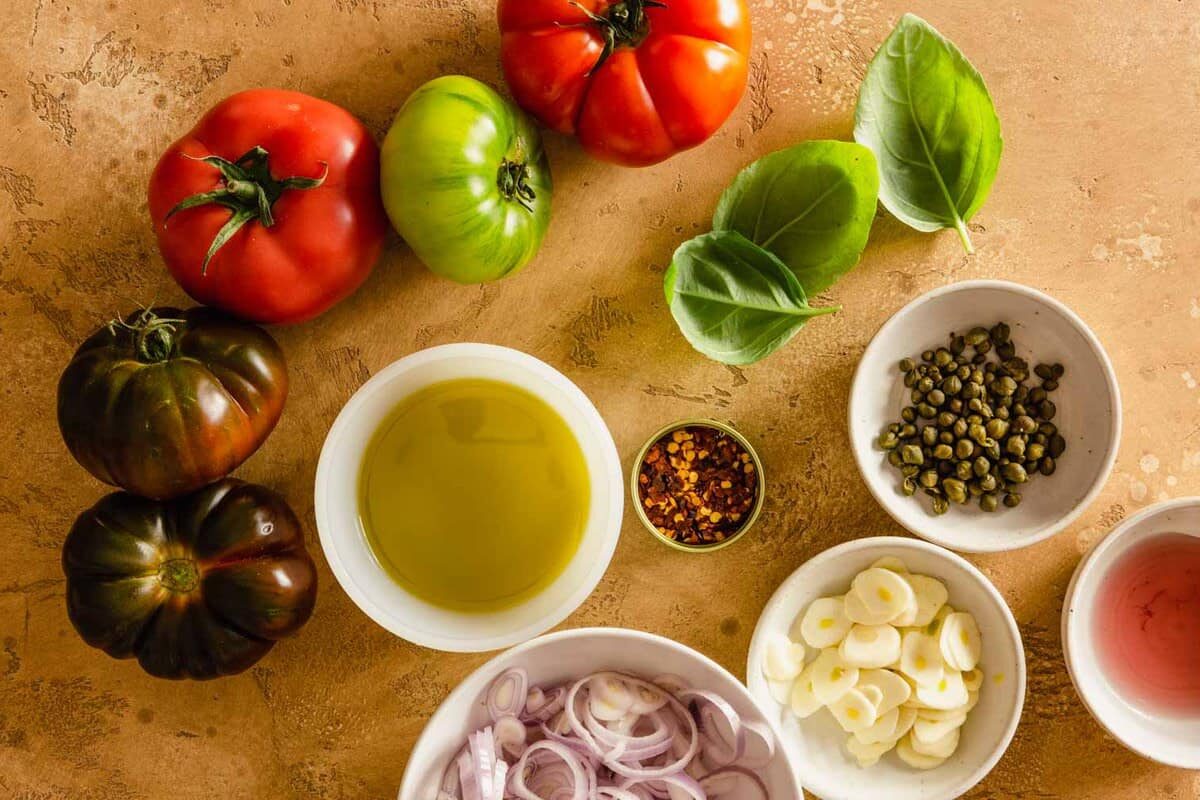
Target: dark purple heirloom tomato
{"points": [[198, 587], [166, 401]]}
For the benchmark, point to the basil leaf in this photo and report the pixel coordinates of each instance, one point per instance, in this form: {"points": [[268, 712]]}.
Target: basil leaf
{"points": [[926, 114], [811, 205], [734, 302]]}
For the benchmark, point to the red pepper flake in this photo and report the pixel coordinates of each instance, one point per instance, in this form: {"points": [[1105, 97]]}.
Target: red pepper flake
{"points": [[697, 485]]}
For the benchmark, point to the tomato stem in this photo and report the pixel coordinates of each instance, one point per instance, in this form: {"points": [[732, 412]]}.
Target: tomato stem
{"points": [[513, 181], [154, 336], [249, 191], [623, 24], [179, 575]]}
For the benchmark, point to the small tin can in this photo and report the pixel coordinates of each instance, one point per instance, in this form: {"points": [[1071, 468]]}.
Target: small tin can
{"points": [[636, 496]]}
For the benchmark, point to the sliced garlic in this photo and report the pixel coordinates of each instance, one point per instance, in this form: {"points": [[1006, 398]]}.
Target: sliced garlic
{"points": [[883, 730], [825, 623], [893, 688], [872, 693], [941, 748], [930, 595], [960, 641], [780, 690], [884, 594], [948, 693], [831, 677], [803, 700], [892, 563], [907, 718], [867, 754], [916, 760], [870, 646], [853, 711], [921, 658], [858, 613], [782, 658], [928, 730]]}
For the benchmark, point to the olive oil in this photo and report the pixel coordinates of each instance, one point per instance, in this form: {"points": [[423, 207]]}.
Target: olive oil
{"points": [[473, 494]]}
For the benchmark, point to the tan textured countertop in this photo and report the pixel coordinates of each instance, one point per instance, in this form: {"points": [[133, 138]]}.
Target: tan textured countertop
{"points": [[1096, 202]]}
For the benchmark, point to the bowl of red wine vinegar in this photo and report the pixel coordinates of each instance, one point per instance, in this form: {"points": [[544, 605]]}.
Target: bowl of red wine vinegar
{"points": [[1131, 632]]}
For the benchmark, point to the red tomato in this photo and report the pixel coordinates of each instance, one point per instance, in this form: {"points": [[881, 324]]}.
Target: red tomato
{"points": [[269, 208], [637, 80]]}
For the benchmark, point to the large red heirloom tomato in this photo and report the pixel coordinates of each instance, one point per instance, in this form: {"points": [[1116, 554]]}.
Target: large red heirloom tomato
{"points": [[637, 80], [269, 208]]}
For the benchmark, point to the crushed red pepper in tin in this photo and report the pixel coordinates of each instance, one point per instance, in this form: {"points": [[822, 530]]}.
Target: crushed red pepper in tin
{"points": [[698, 485]]}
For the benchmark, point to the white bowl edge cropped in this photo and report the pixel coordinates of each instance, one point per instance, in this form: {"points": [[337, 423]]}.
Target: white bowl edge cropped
{"points": [[1171, 741], [816, 745], [345, 546], [1088, 400], [559, 656]]}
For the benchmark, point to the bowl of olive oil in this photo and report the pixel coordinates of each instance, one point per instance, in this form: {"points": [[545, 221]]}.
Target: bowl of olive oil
{"points": [[468, 497]]}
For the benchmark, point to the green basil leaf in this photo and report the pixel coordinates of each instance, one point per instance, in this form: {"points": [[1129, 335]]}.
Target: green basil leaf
{"points": [[811, 205], [734, 302], [926, 114]]}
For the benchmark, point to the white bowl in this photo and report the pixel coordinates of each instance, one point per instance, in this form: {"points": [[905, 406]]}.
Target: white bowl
{"points": [[558, 657], [345, 544], [817, 745], [1088, 401], [1175, 742]]}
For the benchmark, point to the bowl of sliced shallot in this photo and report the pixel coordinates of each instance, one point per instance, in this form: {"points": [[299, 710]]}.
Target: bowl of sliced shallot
{"points": [[599, 714], [893, 668]]}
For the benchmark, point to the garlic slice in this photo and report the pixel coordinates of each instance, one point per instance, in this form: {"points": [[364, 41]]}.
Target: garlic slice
{"points": [[931, 595], [960, 641], [783, 659], [883, 730], [884, 594], [893, 688], [916, 760], [928, 731], [803, 700], [942, 748], [870, 646], [892, 563], [921, 658], [948, 693], [853, 711], [831, 677], [867, 754], [825, 623]]}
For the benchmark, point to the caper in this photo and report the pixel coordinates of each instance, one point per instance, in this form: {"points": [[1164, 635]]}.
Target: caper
{"points": [[960, 428], [976, 336], [894, 459], [975, 405], [1047, 465], [996, 428], [907, 431], [957, 345], [1004, 386], [927, 355], [1035, 451], [929, 435], [907, 365], [908, 487], [983, 348], [1048, 428], [1015, 445], [1012, 499], [911, 454], [955, 490], [1057, 445], [963, 372], [1014, 473], [952, 385], [955, 405], [946, 419], [940, 506], [910, 470], [962, 470], [1000, 332], [928, 478], [989, 483], [888, 440], [1044, 371], [1047, 410], [989, 502], [1006, 349], [925, 385], [926, 411], [942, 357], [943, 452], [981, 466], [1024, 424], [909, 414], [1036, 396], [1018, 410], [1050, 386], [978, 433], [964, 449], [1058, 370], [936, 398]]}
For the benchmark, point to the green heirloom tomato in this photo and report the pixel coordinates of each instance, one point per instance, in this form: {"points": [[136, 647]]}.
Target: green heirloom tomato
{"points": [[465, 180]]}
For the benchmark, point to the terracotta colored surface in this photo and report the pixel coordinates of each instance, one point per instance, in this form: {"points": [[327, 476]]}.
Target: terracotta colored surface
{"points": [[1096, 203]]}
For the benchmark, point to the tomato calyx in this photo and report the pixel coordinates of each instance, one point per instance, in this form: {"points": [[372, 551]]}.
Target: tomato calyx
{"points": [[624, 24], [513, 182], [153, 336], [249, 190], [179, 575]]}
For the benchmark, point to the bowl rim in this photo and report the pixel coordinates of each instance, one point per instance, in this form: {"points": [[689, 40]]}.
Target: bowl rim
{"points": [[903, 542], [1087, 565], [407, 790], [606, 451], [635, 496], [1112, 444]]}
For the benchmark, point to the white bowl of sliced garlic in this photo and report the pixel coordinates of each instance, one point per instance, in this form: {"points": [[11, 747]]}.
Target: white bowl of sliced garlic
{"points": [[894, 668]]}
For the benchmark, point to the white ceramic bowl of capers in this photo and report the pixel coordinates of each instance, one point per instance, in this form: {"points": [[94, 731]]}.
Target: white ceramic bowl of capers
{"points": [[914, 375]]}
